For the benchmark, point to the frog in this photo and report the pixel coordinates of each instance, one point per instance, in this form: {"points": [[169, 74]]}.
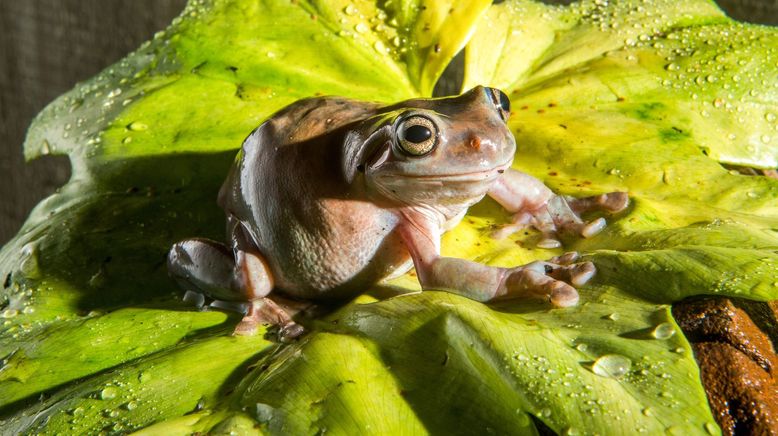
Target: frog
{"points": [[330, 196]]}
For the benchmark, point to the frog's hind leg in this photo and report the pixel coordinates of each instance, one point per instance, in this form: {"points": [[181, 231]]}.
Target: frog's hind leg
{"points": [[208, 267], [204, 266]]}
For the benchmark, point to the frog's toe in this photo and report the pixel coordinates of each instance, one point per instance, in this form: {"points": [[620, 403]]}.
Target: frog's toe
{"points": [[593, 227], [549, 242], [248, 326], [528, 281], [563, 295], [565, 259], [611, 202], [576, 274], [614, 201], [290, 332]]}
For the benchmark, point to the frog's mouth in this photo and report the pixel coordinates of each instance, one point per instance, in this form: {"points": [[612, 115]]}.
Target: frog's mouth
{"points": [[469, 177]]}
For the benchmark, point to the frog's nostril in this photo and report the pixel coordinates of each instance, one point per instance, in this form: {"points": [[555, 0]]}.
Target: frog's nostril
{"points": [[474, 143]]}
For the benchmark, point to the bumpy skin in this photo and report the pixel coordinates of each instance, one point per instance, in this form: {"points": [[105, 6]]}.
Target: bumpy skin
{"points": [[331, 195]]}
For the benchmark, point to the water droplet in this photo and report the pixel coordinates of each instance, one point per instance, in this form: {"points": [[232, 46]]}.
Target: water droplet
{"points": [[45, 148], [264, 412], [614, 171], [611, 365], [132, 405], [127, 140], [108, 393], [647, 411], [672, 66], [114, 93], [765, 138], [29, 262], [582, 347], [664, 330], [137, 126], [613, 316], [350, 10], [77, 411], [546, 412], [770, 117], [361, 28], [9, 313], [379, 46], [711, 428]]}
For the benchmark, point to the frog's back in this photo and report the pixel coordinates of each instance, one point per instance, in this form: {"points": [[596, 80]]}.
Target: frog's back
{"points": [[321, 238]]}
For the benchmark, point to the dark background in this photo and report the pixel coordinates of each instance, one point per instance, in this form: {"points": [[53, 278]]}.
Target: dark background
{"points": [[46, 46]]}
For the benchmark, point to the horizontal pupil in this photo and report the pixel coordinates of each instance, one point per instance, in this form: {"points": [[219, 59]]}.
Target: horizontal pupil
{"points": [[417, 134]]}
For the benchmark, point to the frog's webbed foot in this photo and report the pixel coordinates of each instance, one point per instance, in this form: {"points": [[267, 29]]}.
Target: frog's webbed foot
{"points": [[268, 311], [553, 280], [562, 215]]}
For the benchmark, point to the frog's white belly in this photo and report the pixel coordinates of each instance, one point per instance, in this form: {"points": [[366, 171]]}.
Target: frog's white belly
{"points": [[350, 246]]}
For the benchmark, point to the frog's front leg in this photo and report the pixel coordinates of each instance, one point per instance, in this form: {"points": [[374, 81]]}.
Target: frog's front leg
{"points": [[534, 204], [552, 281]]}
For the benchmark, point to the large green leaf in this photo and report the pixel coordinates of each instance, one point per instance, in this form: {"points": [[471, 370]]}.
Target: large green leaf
{"points": [[648, 97]]}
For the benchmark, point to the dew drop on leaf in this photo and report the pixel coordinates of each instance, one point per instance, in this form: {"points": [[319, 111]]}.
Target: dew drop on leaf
{"points": [[108, 393], [611, 365], [264, 412], [137, 126], [664, 330], [350, 10]]}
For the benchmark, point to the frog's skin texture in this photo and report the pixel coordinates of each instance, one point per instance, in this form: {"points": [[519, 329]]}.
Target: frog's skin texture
{"points": [[330, 196]]}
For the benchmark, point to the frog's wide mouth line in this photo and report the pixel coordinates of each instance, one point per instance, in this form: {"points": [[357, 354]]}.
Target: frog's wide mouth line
{"points": [[473, 176]]}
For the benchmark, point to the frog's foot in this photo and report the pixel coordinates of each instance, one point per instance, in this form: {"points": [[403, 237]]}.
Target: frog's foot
{"points": [[553, 281], [266, 311], [562, 215]]}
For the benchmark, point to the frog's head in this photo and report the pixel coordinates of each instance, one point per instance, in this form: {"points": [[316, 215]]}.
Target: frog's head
{"points": [[442, 152]]}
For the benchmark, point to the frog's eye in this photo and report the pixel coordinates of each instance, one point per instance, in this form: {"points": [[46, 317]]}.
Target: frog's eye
{"points": [[417, 135], [503, 103]]}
